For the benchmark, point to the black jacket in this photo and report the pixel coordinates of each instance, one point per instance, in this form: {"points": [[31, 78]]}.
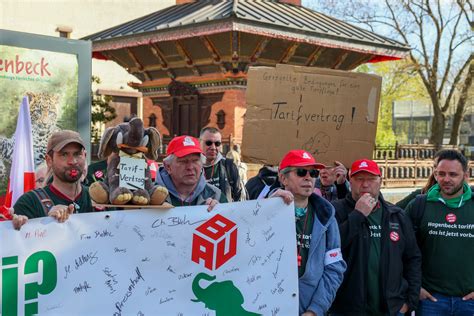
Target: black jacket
{"points": [[264, 177], [229, 180], [400, 261]]}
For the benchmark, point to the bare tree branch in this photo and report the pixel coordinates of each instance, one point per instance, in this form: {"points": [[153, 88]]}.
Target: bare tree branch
{"points": [[455, 82], [450, 54]]}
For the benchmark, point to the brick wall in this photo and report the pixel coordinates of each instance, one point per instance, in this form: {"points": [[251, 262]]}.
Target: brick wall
{"points": [[148, 109], [232, 103]]}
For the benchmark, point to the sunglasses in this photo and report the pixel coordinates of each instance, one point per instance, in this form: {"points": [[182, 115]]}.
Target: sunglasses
{"points": [[300, 172], [210, 142]]}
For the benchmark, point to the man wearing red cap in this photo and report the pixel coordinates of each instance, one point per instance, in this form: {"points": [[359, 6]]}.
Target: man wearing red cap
{"points": [[378, 243], [320, 263], [183, 177]]}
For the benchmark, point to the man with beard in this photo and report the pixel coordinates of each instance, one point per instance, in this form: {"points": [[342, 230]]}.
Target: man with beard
{"points": [[219, 171], [444, 226], [66, 158]]}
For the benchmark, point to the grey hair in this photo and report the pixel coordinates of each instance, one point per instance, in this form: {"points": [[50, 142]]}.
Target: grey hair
{"points": [[169, 159], [286, 170]]}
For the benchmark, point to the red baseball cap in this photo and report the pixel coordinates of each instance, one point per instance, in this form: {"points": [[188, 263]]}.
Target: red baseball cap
{"points": [[299, 158], [183, 145], [366, 165]]}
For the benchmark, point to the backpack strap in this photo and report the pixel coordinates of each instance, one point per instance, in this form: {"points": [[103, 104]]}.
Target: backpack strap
{"points": [[228, 162], [46, 202], [417, 211]]}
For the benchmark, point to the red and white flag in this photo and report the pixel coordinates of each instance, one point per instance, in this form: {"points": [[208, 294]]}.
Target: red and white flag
{"points": [[22, 173]]}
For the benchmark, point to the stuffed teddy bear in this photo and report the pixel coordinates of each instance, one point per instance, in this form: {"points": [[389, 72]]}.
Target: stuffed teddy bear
{"points": [[128, 176]]}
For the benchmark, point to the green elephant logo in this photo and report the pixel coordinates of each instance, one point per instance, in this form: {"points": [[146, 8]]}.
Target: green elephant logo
{"points": [[223, 297]]}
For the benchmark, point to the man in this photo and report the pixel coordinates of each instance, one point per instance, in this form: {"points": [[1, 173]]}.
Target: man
{"points": [[183, 177], [444, 224], [41, 173], [332, 182], [263, 183], [220, 172], [66, 157], [320, 263], [383, 275]]}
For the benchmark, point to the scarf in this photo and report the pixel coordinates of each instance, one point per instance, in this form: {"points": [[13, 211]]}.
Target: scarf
{"points": [[434, 195]]}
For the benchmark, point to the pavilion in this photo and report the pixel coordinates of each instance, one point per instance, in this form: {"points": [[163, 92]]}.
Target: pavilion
{"points": [[193, 57]]}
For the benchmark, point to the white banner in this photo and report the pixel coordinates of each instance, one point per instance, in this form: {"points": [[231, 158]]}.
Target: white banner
{"points": [[239, 259]]}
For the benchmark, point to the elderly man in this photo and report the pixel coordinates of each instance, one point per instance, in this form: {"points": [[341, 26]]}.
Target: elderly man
{"points": [[66, 157], [332, 182], [183, 177], [219, 171], [444, 224], [383, 274], [320, 263]]}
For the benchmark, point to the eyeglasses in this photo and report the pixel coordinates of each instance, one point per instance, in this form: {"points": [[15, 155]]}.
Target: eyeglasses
{"points": [[210, 142], [300, 172]]}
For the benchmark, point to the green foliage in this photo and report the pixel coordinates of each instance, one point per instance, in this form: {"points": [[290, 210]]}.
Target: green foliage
{"points": [[4, 180], [399, 82], [102, 112], [68, 118]]}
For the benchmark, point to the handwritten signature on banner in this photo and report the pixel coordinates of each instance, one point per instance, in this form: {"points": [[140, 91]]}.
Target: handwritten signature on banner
{"points": [[143, 262]]}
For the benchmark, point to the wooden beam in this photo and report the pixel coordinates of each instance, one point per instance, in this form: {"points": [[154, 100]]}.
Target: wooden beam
{"points": [[340, 59], [259, 49], [290, 51], [257, 52], [359, 61], [235, 50], [156, 51], [116, 59], [313, 57], [137, 63], [187, 57], [214, 53]]}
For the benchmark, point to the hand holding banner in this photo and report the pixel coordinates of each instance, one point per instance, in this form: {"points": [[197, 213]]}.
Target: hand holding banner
{"points": [[185, 261]]}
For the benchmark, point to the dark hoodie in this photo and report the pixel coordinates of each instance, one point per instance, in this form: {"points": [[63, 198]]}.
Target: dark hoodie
{"points": [[201, 193], [266, 177]]}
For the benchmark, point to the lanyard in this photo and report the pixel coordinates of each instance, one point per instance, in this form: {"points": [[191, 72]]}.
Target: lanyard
{"points": [[301, 238]]}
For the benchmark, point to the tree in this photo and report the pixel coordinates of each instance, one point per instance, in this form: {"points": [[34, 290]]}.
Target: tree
{"points": [[102, 112], [441, 40], [400, 82]]}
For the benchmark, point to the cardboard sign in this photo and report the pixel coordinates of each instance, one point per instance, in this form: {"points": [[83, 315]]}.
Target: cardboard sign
{"points": [[239, 259], [332, 114], [132, 173]]}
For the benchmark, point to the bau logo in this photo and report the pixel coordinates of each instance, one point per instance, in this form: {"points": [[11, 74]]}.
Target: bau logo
{"points": [[215, 242], [10, 284]]}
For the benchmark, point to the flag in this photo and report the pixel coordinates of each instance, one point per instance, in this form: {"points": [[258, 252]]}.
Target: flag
{"points": [[22, 173]]}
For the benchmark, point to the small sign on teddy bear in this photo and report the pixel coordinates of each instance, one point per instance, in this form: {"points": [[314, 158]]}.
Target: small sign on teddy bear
{"points": [[126, 148], [132, 173]]}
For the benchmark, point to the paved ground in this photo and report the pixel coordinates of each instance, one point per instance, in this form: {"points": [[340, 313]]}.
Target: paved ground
{"points": [[395, 195]]}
